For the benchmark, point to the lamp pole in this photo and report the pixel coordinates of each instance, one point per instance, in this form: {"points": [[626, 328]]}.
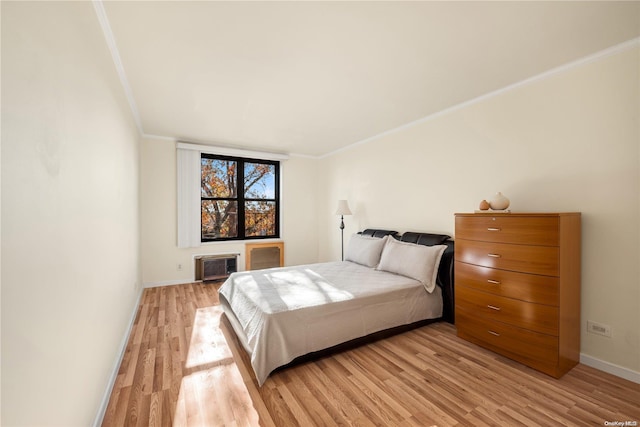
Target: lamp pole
{"points": [[342, 234], [343, 209]]}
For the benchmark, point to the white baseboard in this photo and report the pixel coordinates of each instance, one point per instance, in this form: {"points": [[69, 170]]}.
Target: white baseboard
{"points": [[168, 283], [114, 374], [610, 368]]}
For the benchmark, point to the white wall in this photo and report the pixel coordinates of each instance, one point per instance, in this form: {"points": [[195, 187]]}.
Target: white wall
{"points": [[70, 233], [569, 142], [160, 254]]}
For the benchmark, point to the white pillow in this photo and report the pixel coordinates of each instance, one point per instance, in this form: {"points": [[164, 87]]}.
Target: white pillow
{"points": [[365, 250], [409, 259]]}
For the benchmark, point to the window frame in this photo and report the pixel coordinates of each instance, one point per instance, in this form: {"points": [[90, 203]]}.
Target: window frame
{"points": [[241, 199]]}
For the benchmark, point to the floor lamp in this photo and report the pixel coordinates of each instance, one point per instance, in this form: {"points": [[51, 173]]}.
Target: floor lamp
{"points": [[343, 209]]}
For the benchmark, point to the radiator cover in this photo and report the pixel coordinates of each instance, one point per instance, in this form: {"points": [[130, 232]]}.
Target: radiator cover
{"points": [[264, 255]]}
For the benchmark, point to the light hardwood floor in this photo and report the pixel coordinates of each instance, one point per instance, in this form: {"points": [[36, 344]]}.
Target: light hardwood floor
{"points": [[183, 367]]}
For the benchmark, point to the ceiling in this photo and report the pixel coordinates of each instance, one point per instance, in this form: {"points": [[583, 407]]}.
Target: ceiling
{"points": [[311, 78]]}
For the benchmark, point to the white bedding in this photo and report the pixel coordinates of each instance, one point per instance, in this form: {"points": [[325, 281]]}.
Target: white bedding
{"points": [[282, 313]]}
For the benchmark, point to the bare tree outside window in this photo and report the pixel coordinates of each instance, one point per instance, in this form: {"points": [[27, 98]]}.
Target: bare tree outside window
{"points": [[239, 198], [259, 195]]}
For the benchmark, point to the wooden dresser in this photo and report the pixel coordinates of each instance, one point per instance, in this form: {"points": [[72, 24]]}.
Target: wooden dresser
{"points": [[517, 286]]}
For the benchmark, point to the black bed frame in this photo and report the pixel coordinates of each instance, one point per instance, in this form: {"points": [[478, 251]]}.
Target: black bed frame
{"points": [[445, 280]]}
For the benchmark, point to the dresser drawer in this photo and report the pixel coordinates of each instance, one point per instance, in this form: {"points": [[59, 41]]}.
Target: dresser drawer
{"points": [[521, 258], [530, 230], [535, 349], [536, 317], [522, 286]]}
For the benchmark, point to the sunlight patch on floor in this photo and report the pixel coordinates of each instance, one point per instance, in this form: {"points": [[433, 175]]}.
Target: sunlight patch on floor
{"points": [[215, 397], [207, 344]]}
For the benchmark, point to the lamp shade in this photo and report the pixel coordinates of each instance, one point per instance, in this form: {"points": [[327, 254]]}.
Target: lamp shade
{"points": [[343, 208]]}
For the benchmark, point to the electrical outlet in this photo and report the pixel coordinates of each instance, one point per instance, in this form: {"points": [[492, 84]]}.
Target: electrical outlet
{"points": [[598, 328], [179, 267]]}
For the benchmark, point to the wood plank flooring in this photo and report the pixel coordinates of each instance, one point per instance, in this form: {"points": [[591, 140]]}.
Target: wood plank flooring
{"points": [[183, 367]]}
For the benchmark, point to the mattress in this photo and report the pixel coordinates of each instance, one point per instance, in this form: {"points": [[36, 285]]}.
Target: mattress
{"points": [[282, 313]]}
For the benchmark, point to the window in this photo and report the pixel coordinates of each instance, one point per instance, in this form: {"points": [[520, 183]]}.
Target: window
{"points": [[239, 198]]}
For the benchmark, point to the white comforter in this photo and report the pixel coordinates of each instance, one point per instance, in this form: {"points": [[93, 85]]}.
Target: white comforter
{"points": [[282, 313]]}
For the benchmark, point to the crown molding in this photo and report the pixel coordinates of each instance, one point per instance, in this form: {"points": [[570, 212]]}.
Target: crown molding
{"points": [[106, 28], [115, 55], [162, 137], [619, 48]]}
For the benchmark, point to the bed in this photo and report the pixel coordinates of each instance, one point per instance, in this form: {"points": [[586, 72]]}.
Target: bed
{"points": [[281, 315]]}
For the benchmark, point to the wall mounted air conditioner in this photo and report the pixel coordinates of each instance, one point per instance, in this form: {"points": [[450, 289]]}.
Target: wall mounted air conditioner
{"points": [[215, 267]]}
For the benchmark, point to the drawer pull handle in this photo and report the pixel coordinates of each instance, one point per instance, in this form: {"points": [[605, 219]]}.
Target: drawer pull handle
{"points": [[494, 282], [494, 333], [493, 229], [493, 307], [494, 255]]}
